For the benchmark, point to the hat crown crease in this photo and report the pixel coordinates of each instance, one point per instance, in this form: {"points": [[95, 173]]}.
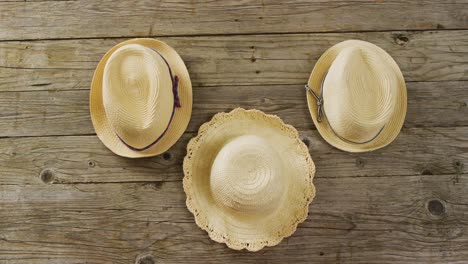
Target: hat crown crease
{"points": [[359, 93], [247, 176], [137, 94]]}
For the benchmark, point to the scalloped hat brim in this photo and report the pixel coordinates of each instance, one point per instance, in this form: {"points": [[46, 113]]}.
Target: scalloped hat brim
{"points": [[225, 226]]}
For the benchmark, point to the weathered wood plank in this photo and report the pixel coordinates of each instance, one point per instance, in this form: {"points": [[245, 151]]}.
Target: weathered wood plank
{"points": [[65, 198], [233, 60], [39, 113], [84, 159], [352, 220], [88, 18]]}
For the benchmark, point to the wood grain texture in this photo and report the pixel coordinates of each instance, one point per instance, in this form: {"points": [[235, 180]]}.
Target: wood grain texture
{"points": [[40, 113], [84, 159], [233, 60], [65, 198], [351, 220], [106, 18]]}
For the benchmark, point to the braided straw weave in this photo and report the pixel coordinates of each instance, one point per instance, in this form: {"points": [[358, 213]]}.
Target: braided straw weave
{"points": [[364, 96], [248, 179], [134, 93]]}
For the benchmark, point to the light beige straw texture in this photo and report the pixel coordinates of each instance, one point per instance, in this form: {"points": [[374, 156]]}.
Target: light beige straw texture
{"points": [[137, 94], [247, 176], [248, 179], [363, 92], [139, 114]]}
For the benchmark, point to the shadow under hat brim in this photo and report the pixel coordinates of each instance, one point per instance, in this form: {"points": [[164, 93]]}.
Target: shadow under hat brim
{"points": [[241, 230], [395, 123], [181, 116]]}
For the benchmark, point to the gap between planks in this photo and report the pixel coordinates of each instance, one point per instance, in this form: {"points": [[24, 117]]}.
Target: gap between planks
{"points": [[200, 86], [157, 182], [237, 34]]}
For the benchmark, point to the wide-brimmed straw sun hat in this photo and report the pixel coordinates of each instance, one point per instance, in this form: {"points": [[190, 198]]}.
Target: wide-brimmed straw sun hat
{"points": [[248, 179], [357, 96], [141, 98]]}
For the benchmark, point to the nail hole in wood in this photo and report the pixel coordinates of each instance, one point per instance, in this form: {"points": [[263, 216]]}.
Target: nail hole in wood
{"points": [[458, 165], [321, 253], [253, 59], [436, 207], [91, 163], [167, 156], [148, 259], [252, 47], [257, 72], [360, 163], [47, 176]]}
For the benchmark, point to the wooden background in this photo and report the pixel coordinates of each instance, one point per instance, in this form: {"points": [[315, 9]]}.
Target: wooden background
{"points": [[65, 198]]}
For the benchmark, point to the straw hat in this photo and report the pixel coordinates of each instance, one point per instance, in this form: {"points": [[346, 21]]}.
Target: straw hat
{"points": [[141, 98], [248, 179], [357, 96]]}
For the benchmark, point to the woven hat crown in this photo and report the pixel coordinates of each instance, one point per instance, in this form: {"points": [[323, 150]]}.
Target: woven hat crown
{"points": [[359, 93], [247, 176], [137, 94]]}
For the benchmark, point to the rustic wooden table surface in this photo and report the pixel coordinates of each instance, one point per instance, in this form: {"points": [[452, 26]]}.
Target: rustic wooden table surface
{"points": [[65, 198]]}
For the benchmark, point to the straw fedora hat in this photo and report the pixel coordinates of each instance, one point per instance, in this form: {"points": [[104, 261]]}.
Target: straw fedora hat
{"points": [[248, 179], [357, 96], [141, 98]]}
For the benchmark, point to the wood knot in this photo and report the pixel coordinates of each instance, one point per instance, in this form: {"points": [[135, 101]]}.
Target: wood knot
{"points": [[155, 185], [147, 259], [360, 163], [167, 156], [462, 105], [47, 176], [436, 207], [426, 172], [306, 141], [401, 39]]}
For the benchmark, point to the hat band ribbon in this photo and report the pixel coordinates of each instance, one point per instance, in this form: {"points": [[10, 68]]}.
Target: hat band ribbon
{"points": [[321, 112], [175, 86]]}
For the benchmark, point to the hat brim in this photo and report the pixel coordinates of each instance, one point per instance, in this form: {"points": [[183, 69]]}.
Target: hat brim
{"points": [[241, 230], [395, 123], [181, 116]]}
